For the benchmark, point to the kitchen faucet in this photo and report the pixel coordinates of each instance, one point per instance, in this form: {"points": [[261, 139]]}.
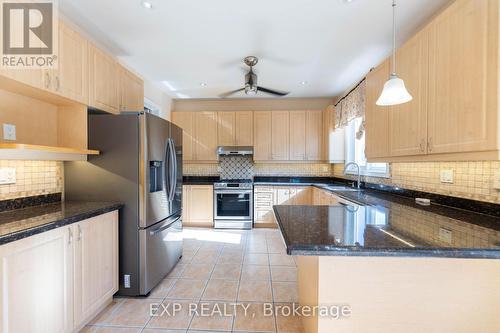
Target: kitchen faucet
{"points": [[359, 171]]}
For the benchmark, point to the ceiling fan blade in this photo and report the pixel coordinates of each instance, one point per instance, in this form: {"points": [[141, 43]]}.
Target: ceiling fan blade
{"points": [[229, 93], [273, 92]]}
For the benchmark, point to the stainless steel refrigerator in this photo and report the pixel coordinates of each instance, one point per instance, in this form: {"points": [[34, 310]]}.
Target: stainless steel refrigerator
{"points": [[140, 165]]}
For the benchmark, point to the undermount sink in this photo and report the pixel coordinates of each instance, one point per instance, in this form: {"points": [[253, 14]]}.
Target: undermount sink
{"points": [[341, 188]]}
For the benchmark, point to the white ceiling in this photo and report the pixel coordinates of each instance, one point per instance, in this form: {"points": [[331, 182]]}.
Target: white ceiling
{"points": [[330, 44]]}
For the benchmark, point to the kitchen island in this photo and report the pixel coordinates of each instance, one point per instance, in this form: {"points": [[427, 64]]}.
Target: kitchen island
{"points": [[398, 267]]}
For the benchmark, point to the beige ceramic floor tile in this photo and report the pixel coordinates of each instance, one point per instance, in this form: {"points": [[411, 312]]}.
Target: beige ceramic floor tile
{"points": [[256, 259], [187, 289], [177, 271], [206, 257], [280, 273], [253, 319], [161, 290], [106, 314], [276, 247], [198, 271], [281, 260], [221, 290], [97, 329], [158, 330], [213, 317], [285, 292], [255, 272], [227, 271], [133, 312], [231, 257], [287, 323], [254, 291], [174, 314]]}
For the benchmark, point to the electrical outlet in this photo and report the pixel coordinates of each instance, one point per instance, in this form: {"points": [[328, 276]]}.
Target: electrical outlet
{"points": [[7, 176], [446, 176], [9, 132], [445, 235]]}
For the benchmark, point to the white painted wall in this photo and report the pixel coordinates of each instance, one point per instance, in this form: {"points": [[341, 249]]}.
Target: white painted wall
{"points": [[156, 95]]}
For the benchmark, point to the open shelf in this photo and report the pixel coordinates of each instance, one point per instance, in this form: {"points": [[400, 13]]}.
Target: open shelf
{"points": [[19, 151]]}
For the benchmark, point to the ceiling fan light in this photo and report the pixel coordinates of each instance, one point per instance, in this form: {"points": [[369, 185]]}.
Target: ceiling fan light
{"points": [[250, 90], [394, 92]]}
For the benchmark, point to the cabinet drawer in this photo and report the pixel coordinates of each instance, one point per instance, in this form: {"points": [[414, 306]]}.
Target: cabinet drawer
{"points": [[264, 204], [263, 189], [264, 196]]}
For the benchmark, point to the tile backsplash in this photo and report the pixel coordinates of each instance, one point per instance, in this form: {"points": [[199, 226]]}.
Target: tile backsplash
{"points": [[472, 180], [264, 169], [32, 178], [236, 167]]}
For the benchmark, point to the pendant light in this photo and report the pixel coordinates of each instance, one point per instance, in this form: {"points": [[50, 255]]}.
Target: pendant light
{"points": [[394, 91]]}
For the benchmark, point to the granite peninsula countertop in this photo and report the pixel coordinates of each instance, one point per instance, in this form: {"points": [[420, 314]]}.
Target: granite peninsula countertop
{"points": [[385, 224], [21, 223]]}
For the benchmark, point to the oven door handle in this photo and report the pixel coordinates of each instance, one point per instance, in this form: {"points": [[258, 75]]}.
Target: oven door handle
{"points": [[233, 191]]}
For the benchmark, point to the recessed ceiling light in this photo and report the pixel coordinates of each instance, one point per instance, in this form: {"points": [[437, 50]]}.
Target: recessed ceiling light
{"points": [[303, 83], [203, 84], [147, 4]]}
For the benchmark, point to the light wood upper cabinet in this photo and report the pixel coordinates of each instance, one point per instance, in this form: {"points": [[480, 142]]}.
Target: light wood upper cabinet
{"points": [[297, 135], [226, 128], [463, 85], [71, 77], [205, 128], [314, 135], [96, 264], [262, 136], [185, 120], [408, 122], [103, 81], [280, 135], [131, 91], [376, 117], [244, 128], [198, 205]]}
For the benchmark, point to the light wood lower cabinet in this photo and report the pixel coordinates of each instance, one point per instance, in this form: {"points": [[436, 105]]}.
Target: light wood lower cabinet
{"points": [[96, 264], [198, 205], [57, 280]]}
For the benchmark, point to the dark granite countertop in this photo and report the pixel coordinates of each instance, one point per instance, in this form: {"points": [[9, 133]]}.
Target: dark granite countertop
{"points": [[22, 223], [200, 180], [398, 230]]}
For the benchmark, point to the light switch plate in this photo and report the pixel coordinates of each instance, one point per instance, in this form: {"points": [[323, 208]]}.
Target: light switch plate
{"points": [[7, 176], [9, 132], [445, 235], [446, 176]]}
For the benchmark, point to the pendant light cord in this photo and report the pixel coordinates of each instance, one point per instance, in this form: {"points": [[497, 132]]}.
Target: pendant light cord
{"points": [[393, 37]]}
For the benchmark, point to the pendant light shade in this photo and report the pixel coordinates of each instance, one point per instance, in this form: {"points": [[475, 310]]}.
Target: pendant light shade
{"points": [[394, 91]]}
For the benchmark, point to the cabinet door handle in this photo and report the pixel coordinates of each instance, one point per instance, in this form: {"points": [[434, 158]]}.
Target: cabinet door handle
{"points": [[429, 145], [47, 80], [422, 145], [70, 236], [80, 233]]}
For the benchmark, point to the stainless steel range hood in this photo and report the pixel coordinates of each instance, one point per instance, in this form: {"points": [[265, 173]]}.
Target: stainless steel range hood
{"points": [[234, 150]]}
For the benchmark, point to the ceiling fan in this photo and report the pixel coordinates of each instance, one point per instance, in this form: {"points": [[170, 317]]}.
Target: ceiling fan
{"points": [[251, 87]]}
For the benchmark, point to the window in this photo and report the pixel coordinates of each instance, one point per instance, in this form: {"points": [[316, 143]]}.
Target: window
{"points": [[355, 152]]}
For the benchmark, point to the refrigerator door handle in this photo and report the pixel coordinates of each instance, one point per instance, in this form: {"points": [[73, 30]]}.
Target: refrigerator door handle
{"points": [[174, 169], [160, 229], [166, 169]]}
